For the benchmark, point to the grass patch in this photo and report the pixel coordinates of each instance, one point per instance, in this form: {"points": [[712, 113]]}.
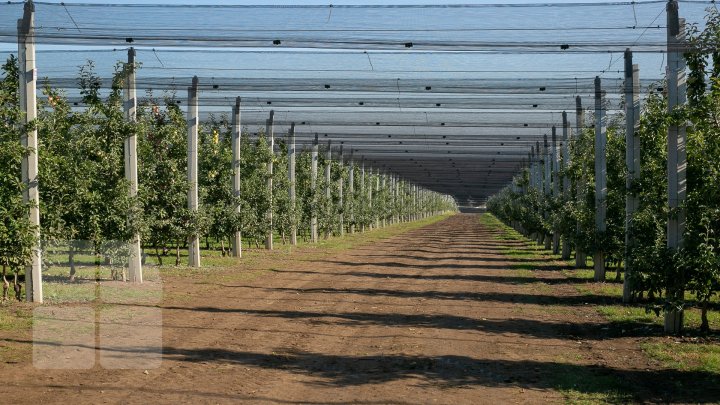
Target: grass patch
{"points": [[701, 357], [581, 385], [14, 319], [628, 314], [586, 386], [349, 241]]}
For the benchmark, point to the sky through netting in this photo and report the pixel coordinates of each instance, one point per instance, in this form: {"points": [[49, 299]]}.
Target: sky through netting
{"points": [[450, 96]]}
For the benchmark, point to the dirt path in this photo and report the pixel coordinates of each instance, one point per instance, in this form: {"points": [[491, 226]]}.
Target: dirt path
{"points": [[437, 315]]}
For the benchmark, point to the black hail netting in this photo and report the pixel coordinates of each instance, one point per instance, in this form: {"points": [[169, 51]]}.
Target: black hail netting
{"points": [[449, 96]]}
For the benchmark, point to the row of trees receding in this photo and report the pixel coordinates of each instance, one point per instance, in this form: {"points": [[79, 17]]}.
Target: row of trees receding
{"points": [[637, 205], [84, 193]]}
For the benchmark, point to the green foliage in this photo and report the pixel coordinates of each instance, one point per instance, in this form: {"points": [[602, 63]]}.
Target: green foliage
{"points": [[17, 235], [657, 271], [215, 179], [83, 192], [699, 259], [162, 163], [85, 197]]}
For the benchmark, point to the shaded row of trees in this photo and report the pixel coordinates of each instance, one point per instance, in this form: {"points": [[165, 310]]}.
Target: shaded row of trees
{"points": [[657, 272]]}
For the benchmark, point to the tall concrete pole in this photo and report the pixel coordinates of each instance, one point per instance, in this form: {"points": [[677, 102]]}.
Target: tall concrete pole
{"points": [[131, 170], [236, 142], [600, 179], [351, 192], [566, 179], [313, 186], [377, 198], [547, 186], [29, 165], [270, 132], [341, 200], [192, 124], [362, 188], [328, 191], [580, 256], [384, 196], [404, 201], [414, 203], [393, 203], [677, 156], [531, 167], [632, 161], [540, 184], [370, 196], [292, 180], [556, 185]]}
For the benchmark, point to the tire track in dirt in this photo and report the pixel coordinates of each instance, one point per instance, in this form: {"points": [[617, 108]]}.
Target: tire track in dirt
{"points": [[435, 315]]}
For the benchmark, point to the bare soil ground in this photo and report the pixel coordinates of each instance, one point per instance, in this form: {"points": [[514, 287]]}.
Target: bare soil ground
{"points": [[435, 315]]}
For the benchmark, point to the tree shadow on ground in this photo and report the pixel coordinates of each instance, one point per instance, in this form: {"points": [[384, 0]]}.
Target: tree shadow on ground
{"points": [[451, 371], [455, 256], [512, 298], [525, 327], [445, 277], [440, 265]]}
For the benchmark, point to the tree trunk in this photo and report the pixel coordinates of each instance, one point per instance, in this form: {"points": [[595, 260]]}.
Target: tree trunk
{"points": [[222, 247], [17, 287], [71, 259], [159, 256], [177, 255], [6, 285], [704, 325]]}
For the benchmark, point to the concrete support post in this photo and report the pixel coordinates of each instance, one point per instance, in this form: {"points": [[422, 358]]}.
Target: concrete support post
{"points": [[193, 123], [383, 186], [313, 186], [540, 184], [270, 132], [131, 170], [677, 157], [370, 198], [235, 144], [580, 256], [362, 189], [600, 179], [351, 193], [292, 180], [531, 167], [377, 198], [632, 162], [535, 168], [566, 179], [547, 186], [393, 199], [414, 202], [341, 200], [556, 186], [328, 191], [29, 166]]}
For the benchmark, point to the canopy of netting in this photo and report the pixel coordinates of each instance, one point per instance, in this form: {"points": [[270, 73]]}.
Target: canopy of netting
{"points": [[449, 96]]}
